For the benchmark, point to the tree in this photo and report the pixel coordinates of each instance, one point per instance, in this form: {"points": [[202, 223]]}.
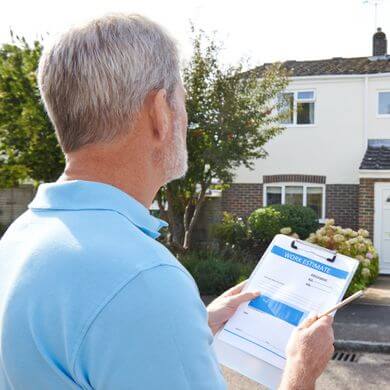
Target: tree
{"points": [[28, 145], [231, 116]]}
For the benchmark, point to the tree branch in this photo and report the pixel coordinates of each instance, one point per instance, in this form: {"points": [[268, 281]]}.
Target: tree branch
{"points": [[198, 206]]}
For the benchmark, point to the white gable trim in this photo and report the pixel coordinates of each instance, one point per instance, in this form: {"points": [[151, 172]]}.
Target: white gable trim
{"points": [[374, 173]]}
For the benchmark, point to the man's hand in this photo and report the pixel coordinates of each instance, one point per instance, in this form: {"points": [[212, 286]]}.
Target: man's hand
{"points": [[308, 352], [223, 307]]}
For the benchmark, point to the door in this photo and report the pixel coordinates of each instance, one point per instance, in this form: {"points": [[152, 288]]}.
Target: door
{"points": [[382, 225]]}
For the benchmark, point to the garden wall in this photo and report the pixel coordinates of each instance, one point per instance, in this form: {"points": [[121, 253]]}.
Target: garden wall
{"points": [[13, 202]]}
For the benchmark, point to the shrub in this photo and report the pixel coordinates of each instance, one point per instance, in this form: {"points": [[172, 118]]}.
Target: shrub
{"points": [[356, 244], [302, 220], [265, 223], [212, 273], [232, 230]]}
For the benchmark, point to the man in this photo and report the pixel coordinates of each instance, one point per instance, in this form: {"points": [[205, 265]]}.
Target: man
{"points": [[89, 298]]}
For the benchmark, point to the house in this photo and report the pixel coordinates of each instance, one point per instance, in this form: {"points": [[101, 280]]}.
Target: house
{"points": [[334, 155]]}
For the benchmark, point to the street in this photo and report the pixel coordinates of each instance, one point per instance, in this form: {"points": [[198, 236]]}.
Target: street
{"points": [[370, 371]]}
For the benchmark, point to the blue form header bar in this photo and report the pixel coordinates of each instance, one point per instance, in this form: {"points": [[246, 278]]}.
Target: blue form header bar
{"points": [[305, 261]]}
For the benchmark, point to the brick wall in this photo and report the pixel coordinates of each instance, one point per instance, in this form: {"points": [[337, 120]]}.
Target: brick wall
{"points": [[342, 204], [367, 203], [294, 178], [242, 198], [13, 202]]}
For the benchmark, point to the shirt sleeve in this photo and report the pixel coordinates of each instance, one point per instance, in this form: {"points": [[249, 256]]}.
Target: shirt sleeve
{"points": [[153, 334]]}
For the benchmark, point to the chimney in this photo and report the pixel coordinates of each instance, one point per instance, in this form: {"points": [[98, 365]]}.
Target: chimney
{"points": [[379, 43]]}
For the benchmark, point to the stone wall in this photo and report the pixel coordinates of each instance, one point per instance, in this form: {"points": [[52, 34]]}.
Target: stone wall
{"points": [[13, 202]]}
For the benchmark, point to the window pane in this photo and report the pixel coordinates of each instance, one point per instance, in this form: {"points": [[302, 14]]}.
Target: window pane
{"points": [[314, 200], [384, 103], [305, 113], [306, 95], [274, 195], [294, 195], [286, 106]]}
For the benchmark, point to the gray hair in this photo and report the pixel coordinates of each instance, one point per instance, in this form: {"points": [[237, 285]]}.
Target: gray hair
{"points": [[95, 78]]}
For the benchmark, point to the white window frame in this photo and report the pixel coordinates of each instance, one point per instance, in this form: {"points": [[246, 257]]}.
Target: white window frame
{"points": [[297, 184], [378, 115], [295, 108]]}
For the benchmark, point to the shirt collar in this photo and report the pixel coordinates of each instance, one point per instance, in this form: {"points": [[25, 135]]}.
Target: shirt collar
{"points": [[88, 195]]}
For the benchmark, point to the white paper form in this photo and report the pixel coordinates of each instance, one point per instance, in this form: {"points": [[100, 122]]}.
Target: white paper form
{"points": [[293, 283]]}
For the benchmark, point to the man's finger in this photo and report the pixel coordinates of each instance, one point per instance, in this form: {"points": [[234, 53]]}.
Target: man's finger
{"points": [[308, 321], [243, 297], [235, 289], [324, 321]]}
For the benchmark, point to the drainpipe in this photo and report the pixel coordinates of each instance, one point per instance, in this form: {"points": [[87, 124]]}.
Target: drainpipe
{"points": [[365, 116]]}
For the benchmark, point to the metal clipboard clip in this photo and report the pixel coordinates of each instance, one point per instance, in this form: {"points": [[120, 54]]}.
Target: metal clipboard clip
{"points": [[332, 254]]}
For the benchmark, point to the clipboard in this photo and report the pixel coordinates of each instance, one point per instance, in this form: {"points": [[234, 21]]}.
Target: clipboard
{"points": [[247, 363]]}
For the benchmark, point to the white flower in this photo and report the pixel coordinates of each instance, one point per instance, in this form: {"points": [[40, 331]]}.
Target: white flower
{"points": [[329, 221], [361, 247], [366, 262], [286, 230], [366, 273], [338, 238], [364, 233], [348, 231]]}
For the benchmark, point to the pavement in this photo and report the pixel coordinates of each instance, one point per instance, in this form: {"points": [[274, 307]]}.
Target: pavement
{"points": [[365, 325], [370, 372]]}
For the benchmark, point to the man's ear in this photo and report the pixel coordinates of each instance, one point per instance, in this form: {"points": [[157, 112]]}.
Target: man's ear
{"points": [[161, 115]]}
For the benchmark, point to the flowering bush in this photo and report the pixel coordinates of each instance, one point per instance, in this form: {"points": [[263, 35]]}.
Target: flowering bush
{"points": [[232, 230], [265, 223], [356, 244]]}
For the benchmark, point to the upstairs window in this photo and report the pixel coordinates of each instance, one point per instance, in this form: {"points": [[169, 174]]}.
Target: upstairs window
{"points": [[384, 103], [298, 107]]}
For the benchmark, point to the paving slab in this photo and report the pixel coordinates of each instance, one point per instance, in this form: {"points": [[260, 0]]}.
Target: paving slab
{"points": [[378, 293]]}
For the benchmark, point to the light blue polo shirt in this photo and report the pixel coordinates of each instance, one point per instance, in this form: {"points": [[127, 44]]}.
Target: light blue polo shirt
{"points": [[89, 299]]}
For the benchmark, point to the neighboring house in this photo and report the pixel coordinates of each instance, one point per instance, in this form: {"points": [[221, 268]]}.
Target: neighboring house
{"points": [[334, 155]]}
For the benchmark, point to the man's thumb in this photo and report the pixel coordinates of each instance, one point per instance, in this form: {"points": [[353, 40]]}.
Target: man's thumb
{"points": [[243, 297]]}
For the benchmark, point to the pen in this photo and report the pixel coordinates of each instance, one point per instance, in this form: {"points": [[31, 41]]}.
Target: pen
{"points": [[357, 295]]}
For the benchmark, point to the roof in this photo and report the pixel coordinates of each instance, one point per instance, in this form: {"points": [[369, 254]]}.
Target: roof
{"points": [[334, 66], [377, 155]]}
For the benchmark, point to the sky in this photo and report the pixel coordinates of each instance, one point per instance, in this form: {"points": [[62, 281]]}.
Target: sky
{"points": [[257, 30]]}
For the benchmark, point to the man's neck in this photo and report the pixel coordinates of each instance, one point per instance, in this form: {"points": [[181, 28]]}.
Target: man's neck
{"points": [[132, 177]]}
